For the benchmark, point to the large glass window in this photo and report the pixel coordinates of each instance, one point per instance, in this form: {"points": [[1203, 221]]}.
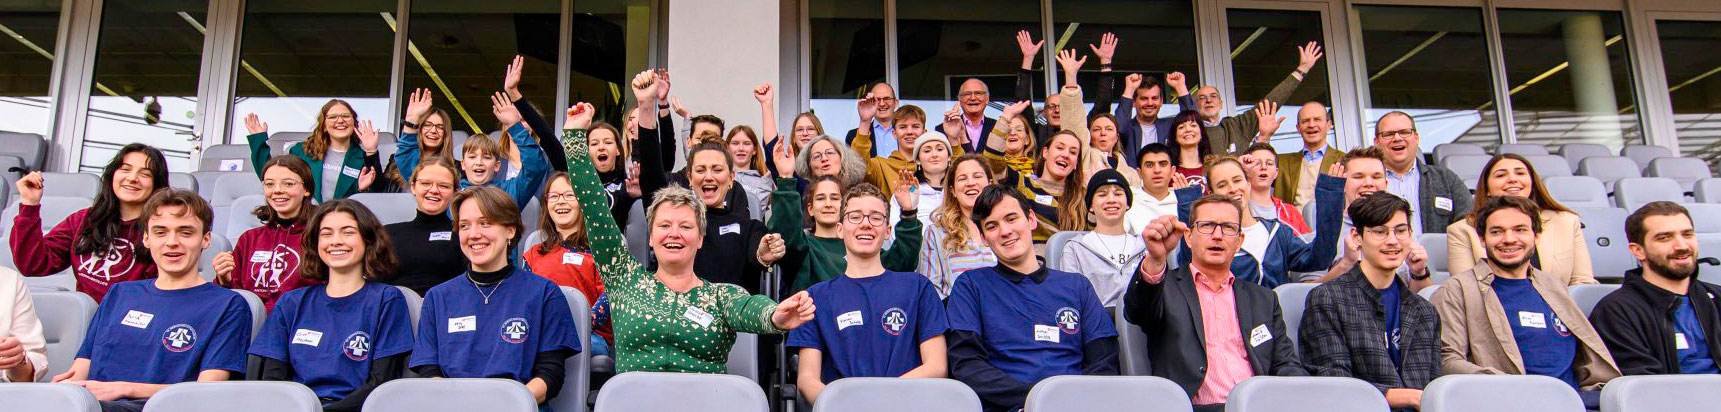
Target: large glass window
{"points": [[1569, 77], [1263, 51], [611, 42], [845, 55], [1430, 62], [460, 50], [295, 56], [1154, 38], [146, 78], [942, 44], [1688, 54], [28, 30]]}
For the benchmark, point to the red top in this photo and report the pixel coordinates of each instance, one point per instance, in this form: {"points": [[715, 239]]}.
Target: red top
{"points": [[36, 254], [578, 270], [1288, 214], [266, 261], [1194, 177]]}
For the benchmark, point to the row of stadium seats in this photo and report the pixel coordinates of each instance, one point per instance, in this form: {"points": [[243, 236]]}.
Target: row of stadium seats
{"points": [[1572, 153]]}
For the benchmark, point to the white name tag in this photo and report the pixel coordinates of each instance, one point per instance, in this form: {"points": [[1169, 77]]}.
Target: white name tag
{"points": [[1259, 335], [1045, 200], [571, 258], [307, 337], [1443, 203], [435, 236], [1532, 320], [261, 256], [1679, 342], [729, 228], [463, 324], [844, 321], [232, 165], [699, 316], [1046, 333], [137, 319], [350, 172]]}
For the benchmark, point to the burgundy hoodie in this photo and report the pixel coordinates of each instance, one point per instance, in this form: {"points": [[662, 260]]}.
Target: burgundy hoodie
{"points": [[266, 261], [36, 254]]}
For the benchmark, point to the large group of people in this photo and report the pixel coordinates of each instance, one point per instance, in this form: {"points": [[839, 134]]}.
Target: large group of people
{"points": [[903, 251]]}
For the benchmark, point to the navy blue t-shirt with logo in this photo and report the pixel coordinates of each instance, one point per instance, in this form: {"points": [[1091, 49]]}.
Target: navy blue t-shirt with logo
{"points": [[1031, 330], [468, 338], [1389, 302], [1547, 346], [331, 342], [144, 334], [872, 326]]}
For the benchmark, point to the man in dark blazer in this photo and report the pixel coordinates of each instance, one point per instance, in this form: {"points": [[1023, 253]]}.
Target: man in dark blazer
{"points": [[973, 98], [1172, 307]]}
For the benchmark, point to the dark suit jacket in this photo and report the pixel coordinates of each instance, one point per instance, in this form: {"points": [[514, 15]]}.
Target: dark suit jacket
{"points": [[1170, 314]]}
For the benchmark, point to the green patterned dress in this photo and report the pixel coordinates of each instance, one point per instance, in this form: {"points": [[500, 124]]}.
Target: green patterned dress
{"points": [[657, 329]]}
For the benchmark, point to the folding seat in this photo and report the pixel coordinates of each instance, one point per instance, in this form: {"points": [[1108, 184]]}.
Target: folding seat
{"points": [[249, 396], [1643, 154], [257, 311], [28, 147], [1131, 344], [1435, 243], [1634, 192], [1703, 219], [638, 233], [1055, 248], [206, 182], [1608, 169], [182, 180], [576, 381], [1305, 394], [1467, 166], [1441, 151], [658, 391], [462, 395], [228, 187], [529, 214], [206, 263], [1526, 149], [79, 185], [1604, 233], [1293, 298], [1499, 393], [65, 317], [1577, 152], [415, 305], [1548, 165], [744, 356], [396, 207], [7, 163], [54, 210], [1106, 394], [48, 397], [238, 216], [1588, 295], [226, 158], [1662, 393], [1428, 292], [1707, 190], [1685, 170], [900, 395], [1584, 191]]}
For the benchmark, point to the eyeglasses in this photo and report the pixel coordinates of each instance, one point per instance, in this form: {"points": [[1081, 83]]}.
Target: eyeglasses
{"points": [[436, 126], [1206, 97], [1401, 133], [558, 196], [1206, 227], [855, 218], [1379, 233], [427, 185], [885, 99], [283, 184], [822, 155], [339, 117], [973, 93], [808, 129]]}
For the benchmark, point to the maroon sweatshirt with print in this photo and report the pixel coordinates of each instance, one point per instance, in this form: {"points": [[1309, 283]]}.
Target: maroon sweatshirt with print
{"points": [[36, 254], [266, 261]]}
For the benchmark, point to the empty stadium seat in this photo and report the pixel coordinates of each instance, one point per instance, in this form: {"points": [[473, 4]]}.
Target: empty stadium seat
{"points": [[249, 396], [7, 162], [1467, 166], [1548, 165], [899, 395], [1709, 248], [577, 379], [637, 233], [1577, 152], [658, 391], [1055, 248], [44, 397], [206, 262], [65, 317], [1582, 191], [1643, 154], [1587, 296], [1435, 243], [226, 158], [1685, 170], [1604, 233], [182, 180], [1293, 298], [1707, 190], [457, 395], [238, 217], [744, 356], [1704, 222], [206, 182], [79, 185], [1525, 149], [396, 207], [1441, 151], [1633, 192], [1662, 393], [1132, 345], [528, 215], [29, 147], [415, 305], [1608, 169], [1106, 394], [54, 210], [1499, 393], [256, 305], [1298, 394], [228, 187]]}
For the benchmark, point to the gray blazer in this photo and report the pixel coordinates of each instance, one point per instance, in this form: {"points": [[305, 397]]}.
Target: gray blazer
{"points": [[1440, 182]]}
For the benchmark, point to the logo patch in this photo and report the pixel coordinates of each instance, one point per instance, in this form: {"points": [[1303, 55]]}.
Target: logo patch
{"points": [[1069, 321], [894, 321], [104, 266], [270, 268], [515, 330], [1560, 327], [179, 338], [356, 346]]}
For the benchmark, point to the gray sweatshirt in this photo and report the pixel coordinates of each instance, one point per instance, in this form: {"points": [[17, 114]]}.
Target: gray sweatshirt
{"points": [[1108, 265]]}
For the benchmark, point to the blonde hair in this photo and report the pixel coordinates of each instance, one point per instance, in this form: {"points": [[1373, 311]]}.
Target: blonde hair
{"points": [[757, 163], [676, 195], [949, 217]]}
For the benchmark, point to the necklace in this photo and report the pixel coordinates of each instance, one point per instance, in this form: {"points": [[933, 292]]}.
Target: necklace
{"points": [[486, 296]]}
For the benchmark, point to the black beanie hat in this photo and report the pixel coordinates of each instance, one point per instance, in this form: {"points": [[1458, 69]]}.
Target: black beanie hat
{"points": [[1109, 176]]}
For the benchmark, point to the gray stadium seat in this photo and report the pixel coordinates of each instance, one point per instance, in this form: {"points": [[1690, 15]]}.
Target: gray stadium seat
{"points": [[206, 262], [257, 311], [206, 182], [1608, 169], [1467, 166], [638, 233], [1709, 248], [1588, 295], [1685, 170], [227, 158], [528, 214], [24, 396], [1662, 393], [54, 210], [1297, 394], [228, 187], [238, 216], [1132, 345], [453, 395], [1643, 154], [1604, 232], [1435, 243], [1548, 165], [577, 381], [1577, 152], [1582, 191], [415, 305], [79, 185], [249, 396], [1526, 149], [65, 317], [1428, 292], [396, 207], [1293, 298], [899, 395], [7, 162], [646, 391], [182, 180], [744, 356], [1107, 394], [1055, 248], [1706, 225], [530, 241], [29, 147], [1707, 190], [1499, 393], [1634, 192], [1441, 151]]}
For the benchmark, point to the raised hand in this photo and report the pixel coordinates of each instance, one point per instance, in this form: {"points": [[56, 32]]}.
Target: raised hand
{"points": [[645, 87], [511, 80], [867, 108], [953, 127], [504, 110], [1014, 109], [1130, 84], [579, 116], [771, 248], [1162, 236], [368, 135], [794, 311], [783, 158], [662, 85], [1178, 83], [1307, 55], [1029, 47], [366, 177], [1178, 180], [675, 105], [223, 265], [254, 126], [1418, 258], [1267, 120], [418, 106], [632, 182], [763, 93], [904, 193], [1107, 47], [1337, 170], [1071, 65]]}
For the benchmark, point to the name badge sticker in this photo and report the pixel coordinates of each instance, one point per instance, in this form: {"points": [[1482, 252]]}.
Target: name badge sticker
{"points": [[729, 228], [463, 324], [435, 236], [1259, 335], [261, 256], [1046, 333], [571, 258], [137, 319], [1679, 342], [853, 318], [1532, 320], [350, 172], [307, 337], [699, 316], [1045, 200], [1443, 203]]}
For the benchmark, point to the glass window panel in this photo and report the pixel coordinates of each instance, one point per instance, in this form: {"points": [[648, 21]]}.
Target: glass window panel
{"points": [[146, 78], [611, 42], [846, 54], [1569, 77], [28, 30], [1694, 84], [1430, 62], [460, 50], [941, 44], [1154, 38], [1263, 51], [295, 56]]}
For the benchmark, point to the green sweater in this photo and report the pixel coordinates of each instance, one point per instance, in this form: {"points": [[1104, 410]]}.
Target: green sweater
{"points": [[811, 259], [658, 329], [345, 185]]}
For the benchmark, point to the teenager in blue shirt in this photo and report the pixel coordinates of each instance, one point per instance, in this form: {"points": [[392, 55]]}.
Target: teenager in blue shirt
{"points": [[496, 320], [1016, 323], [345, 337], [871, 322], [148, 334]]}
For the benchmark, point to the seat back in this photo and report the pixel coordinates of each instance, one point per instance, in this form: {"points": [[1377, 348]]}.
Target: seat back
{"points": [[1577, 152], [415, 305], [1499, 393], [238, 217], [1704, 223], [1297, 394], [249, 396], [744, 356], [1685, 170], [646, 391], [1643, 154], [1441, 151], [1608, 169], [1055, 248], [395, 207], [29, 147], [1633, 192], [638, 233], [577, 380], [1106, 394], [1467, 166], [1707, 190], [1604, 234], [1293, 298], [1662, 393], [257, 311], [206, 262], [1524, 149], [65, 317], [1583, 191], [1131, 344], [453, 395], [1435, 243], [78, 185], [206, 182], [182, 180], [26, 396], [1548, 165], [227, 158], [1587, 295], [898, 395], [1428, 292]]}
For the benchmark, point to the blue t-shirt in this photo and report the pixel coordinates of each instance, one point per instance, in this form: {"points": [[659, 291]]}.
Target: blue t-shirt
{"points": [[1545, 343], [1694, 353], [143, 334], [871, 327], [1389, 301], [468, 338], [1031, 330], [331, 341]]}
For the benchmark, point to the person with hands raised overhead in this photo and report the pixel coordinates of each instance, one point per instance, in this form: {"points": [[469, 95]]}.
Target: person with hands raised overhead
{"points": [[668, 320], [426, 132], [338, 168], [539, 126], [1234, 133], [1139, 121], [103, 244], [1012, 145], [265, 259], [1100, 136]]}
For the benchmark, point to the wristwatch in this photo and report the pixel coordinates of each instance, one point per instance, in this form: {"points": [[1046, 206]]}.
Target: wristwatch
{"points": [[408, 124]]}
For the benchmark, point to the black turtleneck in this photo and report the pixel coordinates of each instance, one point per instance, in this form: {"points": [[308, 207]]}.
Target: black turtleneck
{"points": [[490, 278], [426, 252]]}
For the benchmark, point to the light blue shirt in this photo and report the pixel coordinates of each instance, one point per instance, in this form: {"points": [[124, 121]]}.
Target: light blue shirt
{"points": [[1314, 156], [883, 139], [1409, 187]]}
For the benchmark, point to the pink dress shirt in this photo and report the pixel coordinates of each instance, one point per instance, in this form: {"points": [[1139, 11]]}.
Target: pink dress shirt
{"points": [[1227, 362]]}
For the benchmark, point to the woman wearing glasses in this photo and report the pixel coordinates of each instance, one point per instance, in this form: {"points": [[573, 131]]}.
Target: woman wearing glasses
{"points": [[1271, 249], [337, 166], [424, 246]]}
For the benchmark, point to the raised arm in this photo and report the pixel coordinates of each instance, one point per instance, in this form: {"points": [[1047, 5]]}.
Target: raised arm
{"points": [[767, 97], [406, 145], [258, 137], [1107, 84], [614, 262], [1070, 97]]}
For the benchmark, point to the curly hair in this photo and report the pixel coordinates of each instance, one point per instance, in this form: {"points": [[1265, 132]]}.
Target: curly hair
{"points": [[378, 259]]}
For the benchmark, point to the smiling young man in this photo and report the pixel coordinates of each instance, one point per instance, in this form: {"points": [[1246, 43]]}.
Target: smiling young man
{"points": [[151, 333], [1016, 323], [1108, 255], [909, 125], [1663, 321], [1155, 197], [1437, 196]]}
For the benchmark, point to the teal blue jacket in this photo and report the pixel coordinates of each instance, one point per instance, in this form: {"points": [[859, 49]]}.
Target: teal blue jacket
{"points": [[355, 162]]}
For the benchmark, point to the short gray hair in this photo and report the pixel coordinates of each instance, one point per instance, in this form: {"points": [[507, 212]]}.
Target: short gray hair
{"points": [[676, 195]]}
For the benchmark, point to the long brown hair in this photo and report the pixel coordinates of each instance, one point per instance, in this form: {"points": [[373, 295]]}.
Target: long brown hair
{"points": [[547, 225], [318, 143], [1538, 192], [299, 168], [1072, 206], [817, 125], [102, 224], [757, 163], [949, 217], [379, 259]]}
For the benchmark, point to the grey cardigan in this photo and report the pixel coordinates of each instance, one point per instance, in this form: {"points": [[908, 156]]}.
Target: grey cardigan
{"points": [[1440, 182]]}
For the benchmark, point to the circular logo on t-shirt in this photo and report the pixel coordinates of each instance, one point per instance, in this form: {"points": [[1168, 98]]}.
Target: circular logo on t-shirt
{"points": [[271, 268], [1069, 321], [179, 338], [515, 330], [356, 346], [894, 321], [1560, 328]]}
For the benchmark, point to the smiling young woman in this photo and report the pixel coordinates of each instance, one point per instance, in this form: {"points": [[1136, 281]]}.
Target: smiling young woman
{"points": [[265, 259], [102, 244]]}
